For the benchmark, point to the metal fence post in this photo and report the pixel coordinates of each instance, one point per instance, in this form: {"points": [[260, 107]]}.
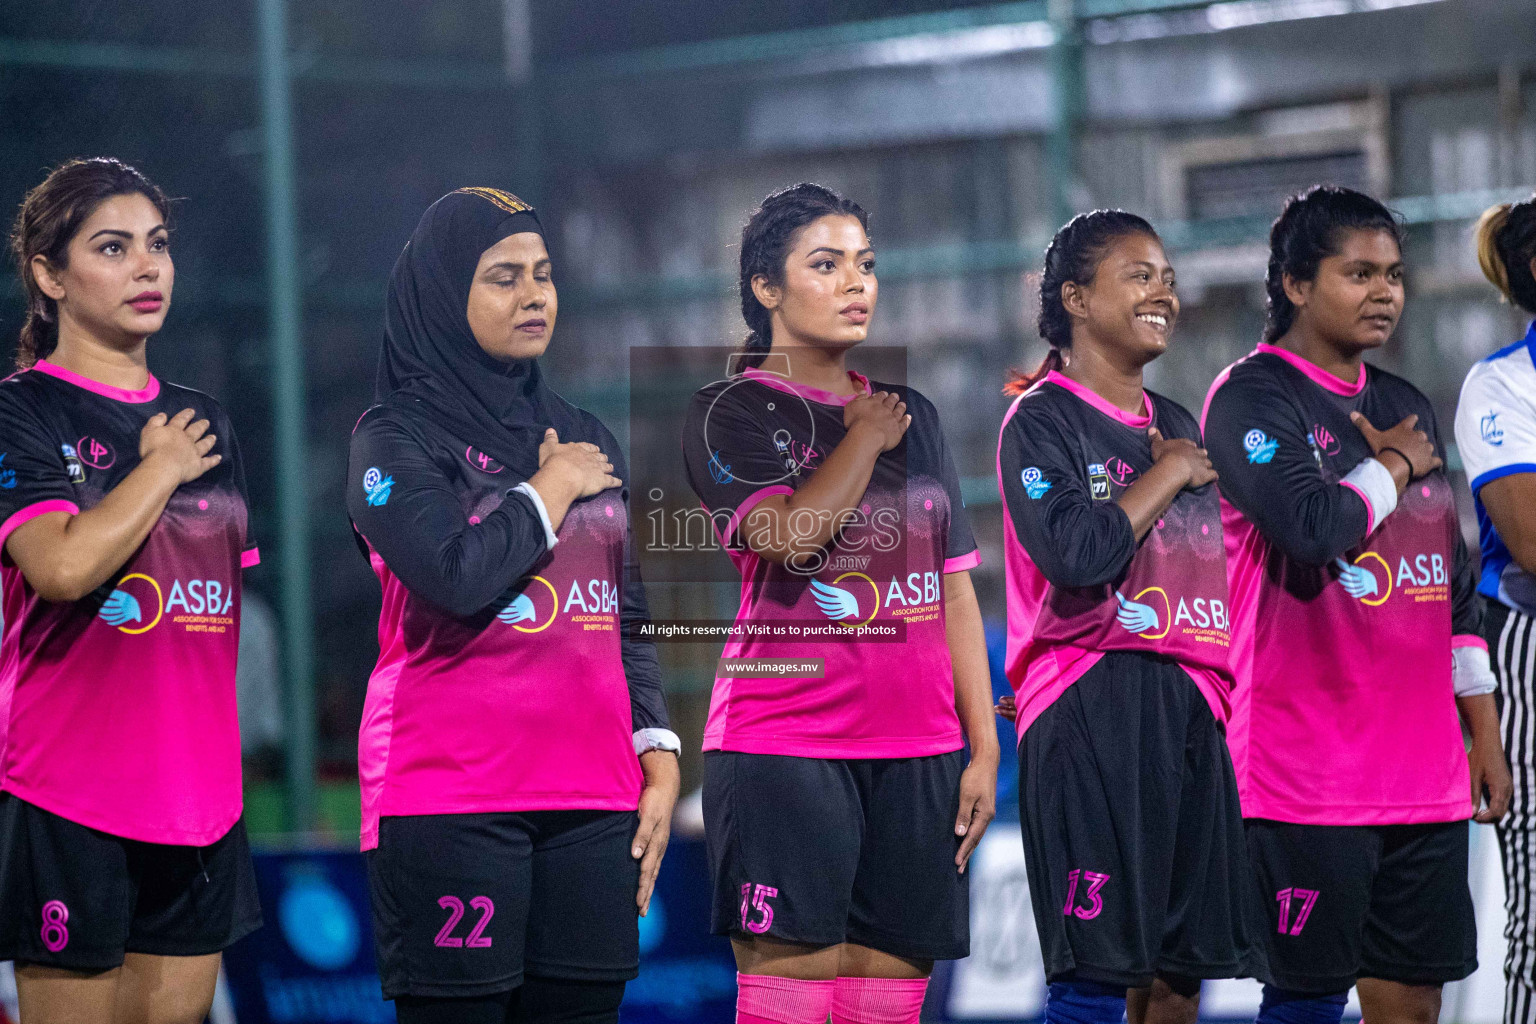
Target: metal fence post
{"points": [[1067, 93], [285, 312]]}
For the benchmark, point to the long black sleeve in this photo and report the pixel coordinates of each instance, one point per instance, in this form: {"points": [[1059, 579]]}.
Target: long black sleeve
{"points": [[1074, 540], [410, 515], [1276, 482]]}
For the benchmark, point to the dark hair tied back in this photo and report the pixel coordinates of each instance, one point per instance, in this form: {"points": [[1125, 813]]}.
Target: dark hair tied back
{"points": [[49, 218], [765, 243], [1073, 255], [1309, 230], [1506, 245]]}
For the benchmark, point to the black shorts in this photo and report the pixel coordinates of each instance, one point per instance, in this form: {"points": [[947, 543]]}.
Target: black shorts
{"points": [[1133, 837], [465, 904], [824, 851], [1362, 901], [77, 898]]}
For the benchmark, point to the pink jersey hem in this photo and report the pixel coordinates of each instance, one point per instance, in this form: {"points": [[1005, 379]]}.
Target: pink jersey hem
{"points": [[960, 563], [164, 837], [145, 394], [1320, 376], [1094, 399], [1214, 687], [1207, 681], [840, 748], [1047, 695], [1310, 813], [250, 557], [1468, 640], [1370, 510], [31, 512], [546, 802], [817, 395]]}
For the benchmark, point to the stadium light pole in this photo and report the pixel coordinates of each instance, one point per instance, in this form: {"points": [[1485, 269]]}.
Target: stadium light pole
{"points": [[285, 310]]}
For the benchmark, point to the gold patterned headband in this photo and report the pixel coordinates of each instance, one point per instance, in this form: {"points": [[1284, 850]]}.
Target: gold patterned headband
{"points": [[504, 200]]}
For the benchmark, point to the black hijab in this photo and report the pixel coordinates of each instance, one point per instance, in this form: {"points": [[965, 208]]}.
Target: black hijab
{"points": [[431, 364]]}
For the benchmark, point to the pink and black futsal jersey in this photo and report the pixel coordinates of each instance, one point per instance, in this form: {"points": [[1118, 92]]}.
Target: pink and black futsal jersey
{"points": [[1345, 613], [1078, 582], [759, 434], [511, 673], [117, 711]]}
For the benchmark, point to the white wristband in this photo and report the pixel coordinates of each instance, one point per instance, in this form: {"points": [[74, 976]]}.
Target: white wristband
{"points": [[657, 739], [1471, 674], [1373, 482], [538, 504]]}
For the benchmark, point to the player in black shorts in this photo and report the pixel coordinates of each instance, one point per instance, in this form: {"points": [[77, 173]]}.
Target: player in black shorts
{"points": [[124, 869], [518, 776], [1359, 661], [840, 807], [1117, 646]]}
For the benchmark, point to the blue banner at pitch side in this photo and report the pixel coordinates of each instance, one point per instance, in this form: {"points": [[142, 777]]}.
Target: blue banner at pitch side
{"points": [[686, 974], [313, 961]]}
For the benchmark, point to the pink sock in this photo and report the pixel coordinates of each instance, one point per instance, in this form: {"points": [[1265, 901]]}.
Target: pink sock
{"points": [[878, 1000], [764, 999]]}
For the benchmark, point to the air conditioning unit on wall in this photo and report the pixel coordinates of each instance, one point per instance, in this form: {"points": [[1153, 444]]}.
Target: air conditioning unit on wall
{"points": [[1287, 150], [1248, 175]]}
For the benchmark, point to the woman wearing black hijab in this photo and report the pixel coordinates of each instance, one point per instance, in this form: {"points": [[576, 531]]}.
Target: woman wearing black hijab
{"points": [[517, 772]]}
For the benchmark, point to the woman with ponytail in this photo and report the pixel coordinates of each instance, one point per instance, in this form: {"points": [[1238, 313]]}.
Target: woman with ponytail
{"points": [[839, 806], [1355, 622], [1496, 433], [124, 869], [1117, 647]]}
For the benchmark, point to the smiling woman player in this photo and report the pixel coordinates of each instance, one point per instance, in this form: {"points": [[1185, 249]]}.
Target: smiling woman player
{"points": [[514, 721], [839, 808], [1117, 645], [123, 861], [1355, 636]]}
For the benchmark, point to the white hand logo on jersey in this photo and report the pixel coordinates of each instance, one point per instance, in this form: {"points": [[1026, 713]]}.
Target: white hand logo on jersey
{"points": [[120, 607], [834, 602], [1135, 616], [1359, 581], [520, 610]]}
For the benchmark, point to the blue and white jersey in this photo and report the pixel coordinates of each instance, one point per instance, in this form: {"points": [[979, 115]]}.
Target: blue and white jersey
{"points": [[1496, 433]]}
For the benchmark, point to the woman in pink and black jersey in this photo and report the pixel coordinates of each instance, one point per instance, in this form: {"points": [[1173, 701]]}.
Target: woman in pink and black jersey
{"points": [[1118, 636], [124, 869], [1356, 649], [517, 771], [840, 809]]}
